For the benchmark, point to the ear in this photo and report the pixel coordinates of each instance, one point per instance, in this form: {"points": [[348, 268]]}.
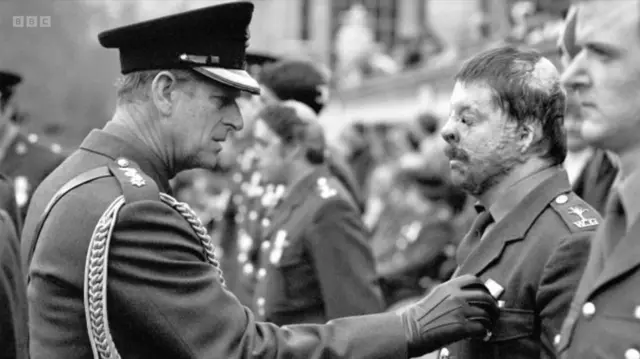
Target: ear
{"points": [[291, 152], [528, 135], [161, 88]]}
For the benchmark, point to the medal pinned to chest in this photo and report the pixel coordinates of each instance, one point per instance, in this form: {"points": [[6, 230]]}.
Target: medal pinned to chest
{"points": [[279, 244], [22, 189]]}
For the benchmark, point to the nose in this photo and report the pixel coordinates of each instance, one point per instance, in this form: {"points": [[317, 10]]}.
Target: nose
{"points": [[449, 133], [236, 120], [575, 76]]}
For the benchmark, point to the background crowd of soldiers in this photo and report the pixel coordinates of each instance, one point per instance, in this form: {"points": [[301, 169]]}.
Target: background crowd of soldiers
{"points": [[397, 178]]}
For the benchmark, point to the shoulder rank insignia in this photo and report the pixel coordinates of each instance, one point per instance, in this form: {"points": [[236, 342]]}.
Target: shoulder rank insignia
{"points": [[582, 222], [134, 177], [324, 190]]}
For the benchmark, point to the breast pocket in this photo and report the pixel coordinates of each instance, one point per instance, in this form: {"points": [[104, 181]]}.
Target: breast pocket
{"points": [[512, 336], [622, 335], [299, 279]]}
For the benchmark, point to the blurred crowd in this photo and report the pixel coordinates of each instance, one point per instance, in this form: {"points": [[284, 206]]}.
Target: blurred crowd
{"points": [[397, 173]]}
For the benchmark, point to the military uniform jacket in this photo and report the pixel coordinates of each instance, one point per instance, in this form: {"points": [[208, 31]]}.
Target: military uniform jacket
{"points": [[604, 319], [537, 254], [8, 202], [27, 161], [316, 264], [14, 334], [164, 301]]}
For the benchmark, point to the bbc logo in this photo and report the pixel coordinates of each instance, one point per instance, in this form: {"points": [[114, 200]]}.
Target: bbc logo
{"points": [[32, 21]]}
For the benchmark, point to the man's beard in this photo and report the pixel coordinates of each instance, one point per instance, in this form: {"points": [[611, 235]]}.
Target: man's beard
{"points": [[485, 173]]}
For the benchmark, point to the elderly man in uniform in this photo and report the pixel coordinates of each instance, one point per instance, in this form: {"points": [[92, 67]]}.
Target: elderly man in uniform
{"points": [[159, 292], [316, 263], [506, 144], [13, 297], [604, 320], [305, 82], [591, 170], [23, 158]]}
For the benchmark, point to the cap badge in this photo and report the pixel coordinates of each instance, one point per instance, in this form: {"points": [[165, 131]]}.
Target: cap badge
{"points": [[201, 59], [583, 222]]}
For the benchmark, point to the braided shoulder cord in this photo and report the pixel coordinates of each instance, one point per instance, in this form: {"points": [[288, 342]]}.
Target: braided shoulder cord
{"points": [[95, 275]]}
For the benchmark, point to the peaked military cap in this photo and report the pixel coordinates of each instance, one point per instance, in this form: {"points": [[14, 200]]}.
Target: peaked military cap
{"points": [[260, 58], [8, 80], [211, 41]]}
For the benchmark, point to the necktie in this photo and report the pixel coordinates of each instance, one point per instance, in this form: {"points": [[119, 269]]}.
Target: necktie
{"points": [[471, 240], [614, 226]]}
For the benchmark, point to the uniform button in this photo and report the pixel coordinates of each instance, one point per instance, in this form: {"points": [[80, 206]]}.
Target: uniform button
{"points": [[632, 354], [556, 339], [122, 162], [266, 222], [562, 199], [247, 268], [260, 302], [636, 312], [444, 353], [262, 272], [266, 245], [242, 257], [253, 215], [588, 310]]}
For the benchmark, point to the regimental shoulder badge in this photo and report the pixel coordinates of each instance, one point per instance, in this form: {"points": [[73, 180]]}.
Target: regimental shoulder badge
{"points": [[582, 222], [576, 214], [324, 189]]}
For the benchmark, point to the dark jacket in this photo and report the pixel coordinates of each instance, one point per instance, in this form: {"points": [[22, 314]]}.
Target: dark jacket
{"points": [[14, 334], [537, 254], [316, 263], [164, 301]]}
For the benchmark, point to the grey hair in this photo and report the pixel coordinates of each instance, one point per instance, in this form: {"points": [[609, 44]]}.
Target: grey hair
{"points": [[135, 86]]}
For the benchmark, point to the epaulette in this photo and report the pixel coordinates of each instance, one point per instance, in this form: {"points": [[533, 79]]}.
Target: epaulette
{"points": [[324, 189], [136, 185], [576, 213]]}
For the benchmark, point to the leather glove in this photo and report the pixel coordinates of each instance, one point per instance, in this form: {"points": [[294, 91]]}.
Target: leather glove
{"points": [[458, 309]]}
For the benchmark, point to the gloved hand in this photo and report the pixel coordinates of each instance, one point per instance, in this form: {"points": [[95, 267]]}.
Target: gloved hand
{"points": [[458, 309]]}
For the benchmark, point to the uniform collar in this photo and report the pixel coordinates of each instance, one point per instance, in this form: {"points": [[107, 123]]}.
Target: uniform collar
{"points": [[629, 190], [10, 134], [114, 142], [514, 195]]}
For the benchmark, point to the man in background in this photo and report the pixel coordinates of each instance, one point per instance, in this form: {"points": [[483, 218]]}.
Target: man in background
{"points": [[24, 158]]}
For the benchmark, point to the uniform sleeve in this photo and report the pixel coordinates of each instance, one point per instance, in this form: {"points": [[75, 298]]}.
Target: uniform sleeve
{"points": [[558, 284], [344, 263], [13, 334], [162, 292]]}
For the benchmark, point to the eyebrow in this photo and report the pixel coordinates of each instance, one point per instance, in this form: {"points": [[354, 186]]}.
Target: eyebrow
{"points": [[466, 108]]}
